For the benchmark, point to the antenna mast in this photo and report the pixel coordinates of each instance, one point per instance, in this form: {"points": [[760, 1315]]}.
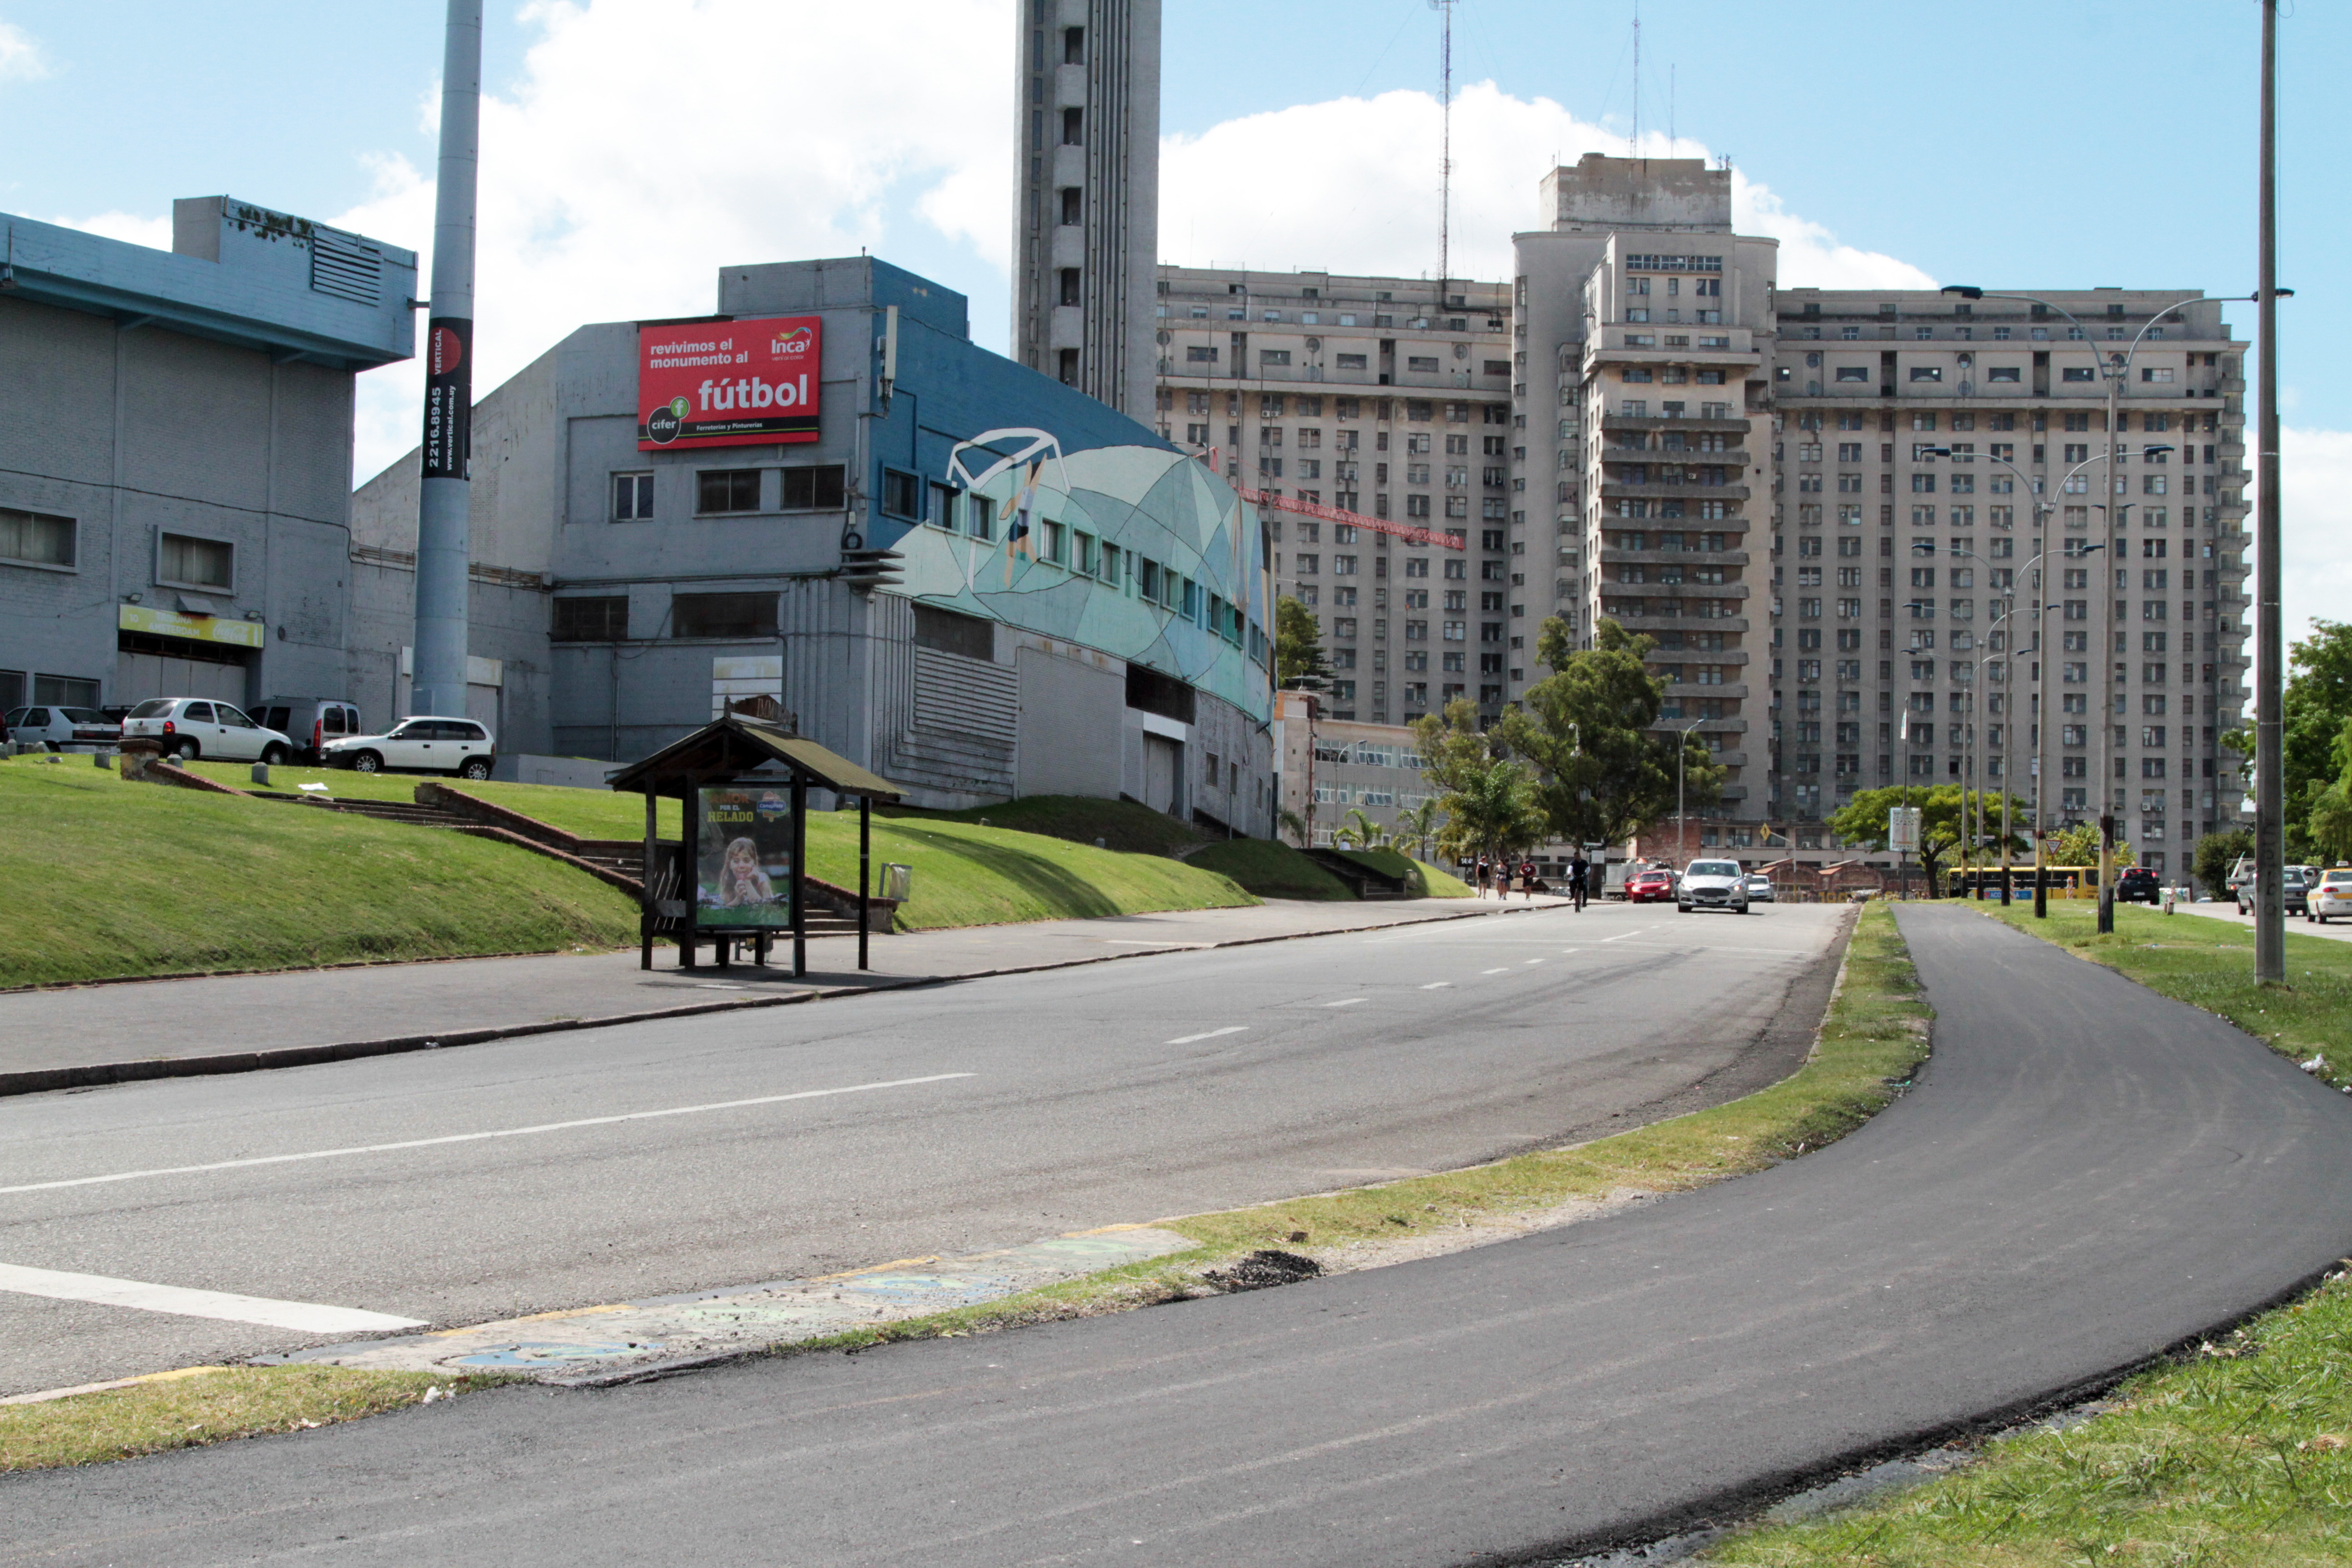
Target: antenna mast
{"points": [[1636, 149], [1445, 10]]}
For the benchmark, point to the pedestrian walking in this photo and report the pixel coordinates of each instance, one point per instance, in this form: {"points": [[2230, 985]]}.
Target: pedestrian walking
{"points": [[1527, 879], [1579, 874], [1482, 871]]}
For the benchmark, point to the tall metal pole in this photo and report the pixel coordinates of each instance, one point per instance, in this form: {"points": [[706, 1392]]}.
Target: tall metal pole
{"points": [[2270, 786], [2111, 581], [2042, 710], [438, 680]]}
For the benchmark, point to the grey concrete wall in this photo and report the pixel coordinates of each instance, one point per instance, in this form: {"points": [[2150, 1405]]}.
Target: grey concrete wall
{"points": [[1068, 706], [137, 431]]}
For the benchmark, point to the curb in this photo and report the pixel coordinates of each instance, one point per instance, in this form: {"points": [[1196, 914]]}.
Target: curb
{"points": [[42, 1081]]}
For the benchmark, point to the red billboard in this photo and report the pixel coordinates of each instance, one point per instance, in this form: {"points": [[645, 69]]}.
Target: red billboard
{"points": [[727, 383]]}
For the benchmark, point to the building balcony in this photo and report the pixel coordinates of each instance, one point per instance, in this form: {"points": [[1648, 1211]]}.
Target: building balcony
{"points": [[1683, 558], [1735, 424], [1722, 590], [1611, 490]]}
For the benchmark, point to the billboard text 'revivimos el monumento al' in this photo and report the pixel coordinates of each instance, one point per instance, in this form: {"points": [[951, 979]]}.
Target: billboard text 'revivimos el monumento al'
{"points": [[727, 383]]}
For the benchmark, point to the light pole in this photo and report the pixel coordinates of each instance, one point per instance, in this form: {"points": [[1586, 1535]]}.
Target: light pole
{"points": [[1682, 754], [2270, 793], [2115, 369]]}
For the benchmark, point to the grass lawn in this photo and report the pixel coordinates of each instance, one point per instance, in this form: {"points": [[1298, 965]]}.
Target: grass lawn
{"points": [[1422, 881], [105, 878], [1271, 870], [965, 873], [207, 1405], [2209, 963], [1119, 823], [2240, 1456]]}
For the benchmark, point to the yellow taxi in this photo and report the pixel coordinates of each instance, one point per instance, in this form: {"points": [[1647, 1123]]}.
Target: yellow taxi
{"points": [[2331, 895]]}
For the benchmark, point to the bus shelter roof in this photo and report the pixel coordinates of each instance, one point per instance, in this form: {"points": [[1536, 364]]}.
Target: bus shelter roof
{"points": [[736, 744]]}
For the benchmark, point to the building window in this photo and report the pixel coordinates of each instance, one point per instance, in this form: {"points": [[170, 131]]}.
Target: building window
{"points": [[187, 561], [723, 615], [815, 487], [1423, 362], [1274, 356], [1073, 127], [36, 539], [604, 619], [951, 632], [720, 490], [633, 498], [902, 495], [1070, 295]]}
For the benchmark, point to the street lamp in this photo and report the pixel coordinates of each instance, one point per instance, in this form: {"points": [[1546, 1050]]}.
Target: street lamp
{"points": [[1682, 753], [2114, 369]]}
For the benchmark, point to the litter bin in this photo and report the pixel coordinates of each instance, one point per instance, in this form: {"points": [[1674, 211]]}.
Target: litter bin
{"points": [[898, 881]]}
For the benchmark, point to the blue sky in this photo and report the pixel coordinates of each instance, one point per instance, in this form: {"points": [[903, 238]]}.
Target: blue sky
{"points": [[645, 143]]}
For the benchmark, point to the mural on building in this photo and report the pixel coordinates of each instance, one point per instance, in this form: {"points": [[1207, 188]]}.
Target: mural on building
{"points": [[1140, 551]]}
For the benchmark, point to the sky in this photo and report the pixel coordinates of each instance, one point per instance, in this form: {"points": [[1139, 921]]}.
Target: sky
{"points": [[632, 147]]}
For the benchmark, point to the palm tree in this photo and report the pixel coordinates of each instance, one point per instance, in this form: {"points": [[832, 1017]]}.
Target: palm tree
{"points": [[1358, 831], [1417, 825]]}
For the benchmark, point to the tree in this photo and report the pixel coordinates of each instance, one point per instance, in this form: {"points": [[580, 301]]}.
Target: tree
{"points": [[2314, 707], [1604, 772], [1358, 831], [2079, 845], [1297, 644], [1417, 825], [1942, 830], [1294, 824], [1489, 802], [2217, 853]]}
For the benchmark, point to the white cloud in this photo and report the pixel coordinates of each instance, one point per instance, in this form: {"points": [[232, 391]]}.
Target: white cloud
{"points": [[1357, 190], [2315, 527], [21, 58], [650, 142], [152, 232]]}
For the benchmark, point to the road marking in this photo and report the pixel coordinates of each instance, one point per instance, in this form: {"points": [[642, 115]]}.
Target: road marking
{"points": [[1212, 1034], [300, 1316], [474, 1136], [1535, 961], [1138, 941], [1437, 985], [1505, 970], [1349, 1003], [1622, 938]]}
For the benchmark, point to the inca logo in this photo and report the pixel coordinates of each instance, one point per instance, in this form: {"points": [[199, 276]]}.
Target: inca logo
{"points": [[790, 340]]}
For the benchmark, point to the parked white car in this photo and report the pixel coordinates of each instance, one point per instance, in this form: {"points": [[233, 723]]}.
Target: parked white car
{"points": [[54, 727], [422, 744], [1759, 888], [1712, 884], [193, 727]]}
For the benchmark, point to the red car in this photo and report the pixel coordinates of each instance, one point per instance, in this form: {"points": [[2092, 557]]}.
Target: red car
{"points": [[1655, 886]]}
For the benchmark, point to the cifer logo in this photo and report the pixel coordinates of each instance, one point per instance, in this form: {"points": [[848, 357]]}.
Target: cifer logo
{"points": [[663, 424]]}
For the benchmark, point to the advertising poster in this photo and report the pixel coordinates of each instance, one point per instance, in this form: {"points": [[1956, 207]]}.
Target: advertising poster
{"points": [[727, 383], [743, 857], [448, 397]]}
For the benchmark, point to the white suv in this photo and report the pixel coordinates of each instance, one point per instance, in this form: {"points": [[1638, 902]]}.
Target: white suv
{"points": [[192, 727], [1712, 884], [417, 745]]}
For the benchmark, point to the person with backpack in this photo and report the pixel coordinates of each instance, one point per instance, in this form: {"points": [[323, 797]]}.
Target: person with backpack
{"points": [[1579, 877]]}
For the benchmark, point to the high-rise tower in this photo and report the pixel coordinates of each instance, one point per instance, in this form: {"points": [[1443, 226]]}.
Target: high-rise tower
{"points": [[1085, 216]]}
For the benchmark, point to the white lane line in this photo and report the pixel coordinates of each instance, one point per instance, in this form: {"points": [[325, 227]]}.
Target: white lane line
{"points": [[1212, 1034], [1138, 941], [1349, 1003], [1535, 961], [1623, 937], [1437, 985], [1505, 970], [300, 1316], [474, 1136]]}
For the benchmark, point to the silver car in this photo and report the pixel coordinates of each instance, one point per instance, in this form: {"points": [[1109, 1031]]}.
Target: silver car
{"points": [[192, 727], [1712, 884], [1759, 888]]}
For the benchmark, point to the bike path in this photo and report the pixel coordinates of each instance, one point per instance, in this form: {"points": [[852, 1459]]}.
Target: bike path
{"points": [[2086, 1174]]}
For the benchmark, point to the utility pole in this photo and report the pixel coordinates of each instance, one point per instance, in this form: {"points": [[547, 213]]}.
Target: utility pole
{"points": [[2270, 786], [444, 544]]}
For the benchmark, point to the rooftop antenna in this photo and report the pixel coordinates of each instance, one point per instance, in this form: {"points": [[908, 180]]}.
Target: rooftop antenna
{"points": [[1636, 149], [1445, 10], [1670, 111]]}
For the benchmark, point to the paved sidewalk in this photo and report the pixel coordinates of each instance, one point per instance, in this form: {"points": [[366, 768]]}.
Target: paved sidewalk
{"points": [[71, 1036]]}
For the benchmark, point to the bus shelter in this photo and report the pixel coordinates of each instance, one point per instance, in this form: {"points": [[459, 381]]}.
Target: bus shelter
{"points": [[735, 876]]}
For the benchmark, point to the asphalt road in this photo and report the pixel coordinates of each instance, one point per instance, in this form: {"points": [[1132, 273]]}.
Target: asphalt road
{"points": [[572, 1170], [2086, 1174]]}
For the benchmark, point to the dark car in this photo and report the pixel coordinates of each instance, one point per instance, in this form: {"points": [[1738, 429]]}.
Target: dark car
{"points": [[2136, 884], [1654, 887]]}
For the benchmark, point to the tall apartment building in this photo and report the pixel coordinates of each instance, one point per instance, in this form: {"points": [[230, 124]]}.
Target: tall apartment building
{"points": [[1385, 397], [1821, 504], [1086, 219]]}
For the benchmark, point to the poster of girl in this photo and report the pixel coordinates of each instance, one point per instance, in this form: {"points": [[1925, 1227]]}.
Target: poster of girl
{"points": [[743, 857]]}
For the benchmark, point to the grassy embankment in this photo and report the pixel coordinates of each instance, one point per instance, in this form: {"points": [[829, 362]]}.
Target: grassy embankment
{"points": [[103, 878], [1872, 1039], [2240, 1454], [107, 879]]}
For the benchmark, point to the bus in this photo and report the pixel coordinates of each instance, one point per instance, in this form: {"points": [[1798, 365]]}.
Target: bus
{"points": [[1984, 882]]}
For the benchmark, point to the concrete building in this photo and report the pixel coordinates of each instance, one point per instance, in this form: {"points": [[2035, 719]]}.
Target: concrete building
{"points": [[1377, 397], [175, 451], [950, 569], [1085, 221], [1818, 501], [1331, 767]]}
